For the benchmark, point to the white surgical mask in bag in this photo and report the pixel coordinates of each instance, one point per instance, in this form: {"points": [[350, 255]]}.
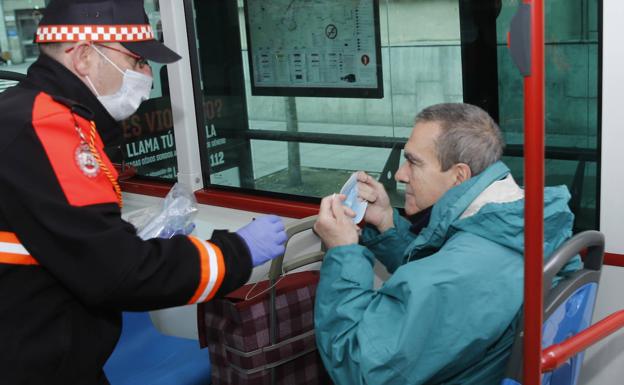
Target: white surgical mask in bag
{"points": [[135, 88]]}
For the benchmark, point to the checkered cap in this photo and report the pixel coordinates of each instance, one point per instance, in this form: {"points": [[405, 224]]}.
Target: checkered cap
{"points": [[122, 21], [98, 33]]}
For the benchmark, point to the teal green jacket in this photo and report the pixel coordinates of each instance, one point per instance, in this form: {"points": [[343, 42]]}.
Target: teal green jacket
{"points": [[446, 314]]}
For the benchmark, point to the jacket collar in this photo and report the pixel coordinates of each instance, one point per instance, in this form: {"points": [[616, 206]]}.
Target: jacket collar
{"points": [[420, 220], [501, 191], [51, 77]]}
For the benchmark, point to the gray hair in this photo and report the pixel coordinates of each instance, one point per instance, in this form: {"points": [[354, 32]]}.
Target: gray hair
{"points": [[468, 135]]}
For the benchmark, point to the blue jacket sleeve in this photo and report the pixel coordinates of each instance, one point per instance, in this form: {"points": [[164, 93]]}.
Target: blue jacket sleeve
{"points": [[389, 247], [420, 327]]}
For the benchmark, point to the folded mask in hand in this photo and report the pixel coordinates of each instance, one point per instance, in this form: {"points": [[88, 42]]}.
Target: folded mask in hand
{"points": [[353, 202]]}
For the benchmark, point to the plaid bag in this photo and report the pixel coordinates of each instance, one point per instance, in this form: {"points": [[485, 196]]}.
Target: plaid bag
{"points": [[269, 338]]}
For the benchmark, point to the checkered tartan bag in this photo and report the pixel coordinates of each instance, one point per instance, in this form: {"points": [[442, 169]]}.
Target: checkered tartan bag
{"points": [[269, 338]]}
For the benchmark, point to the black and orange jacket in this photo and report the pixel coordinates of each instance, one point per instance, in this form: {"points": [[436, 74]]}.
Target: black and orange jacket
{"points": [[69, 265]]}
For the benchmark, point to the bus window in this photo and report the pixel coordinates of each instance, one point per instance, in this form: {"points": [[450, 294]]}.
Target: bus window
{"points": [[309, 145], [572, 101], [148, 134], [431, 52], [18, 22], [149, 144]]}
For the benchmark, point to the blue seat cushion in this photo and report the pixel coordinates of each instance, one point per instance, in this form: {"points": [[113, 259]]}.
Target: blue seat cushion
{"points": [[144, 356]]}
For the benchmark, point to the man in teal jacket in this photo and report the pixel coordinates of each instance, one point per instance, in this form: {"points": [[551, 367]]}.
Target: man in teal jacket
{"points": [[446, 315]]}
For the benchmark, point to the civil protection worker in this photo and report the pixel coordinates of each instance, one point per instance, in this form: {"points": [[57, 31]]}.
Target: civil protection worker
{"points": [[69, 265]]}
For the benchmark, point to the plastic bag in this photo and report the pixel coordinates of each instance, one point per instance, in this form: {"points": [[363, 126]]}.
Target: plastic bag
{"points": [[174, 217]]}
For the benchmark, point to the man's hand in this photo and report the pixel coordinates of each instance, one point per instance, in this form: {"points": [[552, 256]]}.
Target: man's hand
{"points": [[379, 211], [335, 222], [265, 237]]}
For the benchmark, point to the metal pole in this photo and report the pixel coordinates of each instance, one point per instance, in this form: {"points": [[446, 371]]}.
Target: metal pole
{"points": [[294, 157], [174, 26], [534, 198], [273, 327]]}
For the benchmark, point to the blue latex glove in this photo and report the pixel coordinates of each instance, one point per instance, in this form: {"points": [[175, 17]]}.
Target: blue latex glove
{"points": [[265, 237]]}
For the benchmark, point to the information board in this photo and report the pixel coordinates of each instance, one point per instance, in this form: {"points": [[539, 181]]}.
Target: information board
{"points": [[325, 48]]}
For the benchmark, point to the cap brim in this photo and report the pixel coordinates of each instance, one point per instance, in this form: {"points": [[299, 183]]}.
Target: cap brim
{"points": [[153, 50]]}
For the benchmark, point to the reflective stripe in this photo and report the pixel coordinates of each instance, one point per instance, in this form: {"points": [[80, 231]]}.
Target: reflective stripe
{"points": [[216, 274], [17, 259], [204, 266], [13, 248], [12, 252], [8, 237], [212, 270]]}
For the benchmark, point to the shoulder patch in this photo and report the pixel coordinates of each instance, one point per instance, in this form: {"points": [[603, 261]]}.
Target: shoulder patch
{"points": [[76, 169]]}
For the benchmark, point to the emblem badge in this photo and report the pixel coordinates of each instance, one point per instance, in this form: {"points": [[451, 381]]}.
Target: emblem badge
{"points": [[86, 161]]}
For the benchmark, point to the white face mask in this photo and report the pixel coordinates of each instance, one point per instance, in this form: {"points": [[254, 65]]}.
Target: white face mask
{"points": [[135, 88]]}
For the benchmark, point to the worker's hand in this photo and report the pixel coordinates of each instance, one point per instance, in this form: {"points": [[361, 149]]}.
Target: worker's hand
{"points": [[335, 222], [265, 237], [379, 211]]}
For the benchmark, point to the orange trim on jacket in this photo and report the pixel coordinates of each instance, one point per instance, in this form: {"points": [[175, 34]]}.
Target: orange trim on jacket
{"points": [[12, 252], [212, 270], [82, 182]]}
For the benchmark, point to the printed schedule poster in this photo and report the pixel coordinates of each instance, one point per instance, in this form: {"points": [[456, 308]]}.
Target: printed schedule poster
{"points": [[327, 48]]}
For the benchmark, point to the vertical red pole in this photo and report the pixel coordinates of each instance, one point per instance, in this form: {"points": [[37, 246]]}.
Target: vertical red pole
{"points": [[534, 198]]}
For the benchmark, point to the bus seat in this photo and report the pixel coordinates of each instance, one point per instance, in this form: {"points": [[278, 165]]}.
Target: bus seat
{"points": [[145, 356], [568, 307]]}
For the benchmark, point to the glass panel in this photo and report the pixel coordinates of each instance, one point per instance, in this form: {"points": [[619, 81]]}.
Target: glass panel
{"points": [[149, 142], [308, 146], [148, 134], [18, 21], [432, 51], [571, 100], [318, 175]]}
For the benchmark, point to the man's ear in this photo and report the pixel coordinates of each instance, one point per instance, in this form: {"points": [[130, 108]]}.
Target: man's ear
{"points": [[82, 59], [462, 173]]}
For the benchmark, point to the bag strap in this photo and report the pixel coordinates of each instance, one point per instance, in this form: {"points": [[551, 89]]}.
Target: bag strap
{"points": [[309, 335], [270, 348], [276, 271], [273, 364]]}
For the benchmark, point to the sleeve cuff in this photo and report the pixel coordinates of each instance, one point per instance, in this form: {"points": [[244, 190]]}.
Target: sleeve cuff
{"points": [[237, 260], [212, 270], [371, 236], [225, 265]]}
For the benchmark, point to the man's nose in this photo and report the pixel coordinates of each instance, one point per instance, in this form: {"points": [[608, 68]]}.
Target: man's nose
{"points": [[401, 175], [145, 69]]}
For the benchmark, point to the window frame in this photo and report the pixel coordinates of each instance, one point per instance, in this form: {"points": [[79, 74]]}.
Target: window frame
{"points": [[190, 157]]}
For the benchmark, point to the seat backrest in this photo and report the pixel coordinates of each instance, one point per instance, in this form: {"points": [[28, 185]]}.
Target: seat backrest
{"points": [[143, 355], [568, 319], [568, 307]]}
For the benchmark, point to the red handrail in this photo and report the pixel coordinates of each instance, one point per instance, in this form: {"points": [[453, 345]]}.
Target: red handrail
{"points": [[556, 355], [534, 197]]}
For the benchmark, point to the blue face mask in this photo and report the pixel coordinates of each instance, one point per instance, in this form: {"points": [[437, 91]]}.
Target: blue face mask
{"points": [[353, 202]]}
